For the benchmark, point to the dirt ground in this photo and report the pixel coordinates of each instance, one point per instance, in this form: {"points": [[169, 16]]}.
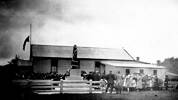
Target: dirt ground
{"points": [[143, 95]]}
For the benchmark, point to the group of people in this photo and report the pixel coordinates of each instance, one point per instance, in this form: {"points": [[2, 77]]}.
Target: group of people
{"points": [[136, 81], [119, 82], [40, 76]]}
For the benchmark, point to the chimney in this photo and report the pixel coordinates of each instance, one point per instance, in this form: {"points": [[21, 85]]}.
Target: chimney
{"points": [[158, 62], [138, 58]]}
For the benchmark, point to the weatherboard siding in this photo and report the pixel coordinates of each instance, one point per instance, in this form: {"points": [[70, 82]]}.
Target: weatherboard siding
{"points": [[147, 71], [42, 65], [63, 65], [87, 65]]}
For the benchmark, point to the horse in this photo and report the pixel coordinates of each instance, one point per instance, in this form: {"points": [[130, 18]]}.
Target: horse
{"points": [[118, 85]]}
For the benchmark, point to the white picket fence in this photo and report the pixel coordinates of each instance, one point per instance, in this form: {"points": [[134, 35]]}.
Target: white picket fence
{"points": [[63, 86]]}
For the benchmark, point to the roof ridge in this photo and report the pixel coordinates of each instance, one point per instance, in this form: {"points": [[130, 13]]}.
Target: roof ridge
{"points": [[84, 52], [77, 46]]}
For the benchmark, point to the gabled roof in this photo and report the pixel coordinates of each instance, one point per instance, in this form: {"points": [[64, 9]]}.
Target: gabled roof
{"points": [[83, 52], [131, 64]]}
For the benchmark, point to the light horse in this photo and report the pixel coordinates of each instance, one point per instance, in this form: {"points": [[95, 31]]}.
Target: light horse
{"points": [[118, 85]]}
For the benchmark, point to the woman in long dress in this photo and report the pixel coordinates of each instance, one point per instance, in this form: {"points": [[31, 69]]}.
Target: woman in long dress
{"points": [[127, 82], [151, 83], [139, 82], [133, 83]]}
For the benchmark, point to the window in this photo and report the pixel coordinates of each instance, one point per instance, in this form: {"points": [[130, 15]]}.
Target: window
{"points": [[127, 71], [141, 71], [54, 63], [154, 72], [97, 64]]}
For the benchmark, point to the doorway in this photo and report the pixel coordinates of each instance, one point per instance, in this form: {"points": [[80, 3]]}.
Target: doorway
{"points": [[100, 67], [127, 71]]}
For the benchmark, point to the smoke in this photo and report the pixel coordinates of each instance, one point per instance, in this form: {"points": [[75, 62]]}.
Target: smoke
{"points": [[49, 19], [17, 15], [15, 19], [6, 14]]}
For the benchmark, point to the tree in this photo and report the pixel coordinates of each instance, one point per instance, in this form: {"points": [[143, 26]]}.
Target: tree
{"points": [[171, 64]]}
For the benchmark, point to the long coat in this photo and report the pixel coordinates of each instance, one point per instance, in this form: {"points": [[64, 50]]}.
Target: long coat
{"points": [[110, 78]]}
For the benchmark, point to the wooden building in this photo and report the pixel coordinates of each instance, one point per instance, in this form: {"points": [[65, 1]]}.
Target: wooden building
{"points": [[52, 58]]}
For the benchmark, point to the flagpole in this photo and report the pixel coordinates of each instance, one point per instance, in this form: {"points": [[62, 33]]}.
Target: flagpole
{"points": [[30, 42]]}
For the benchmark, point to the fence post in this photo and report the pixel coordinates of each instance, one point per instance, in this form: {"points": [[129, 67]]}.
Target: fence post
{"points": [[90, 87], [51, 84], [101, 86], [61, 86]]}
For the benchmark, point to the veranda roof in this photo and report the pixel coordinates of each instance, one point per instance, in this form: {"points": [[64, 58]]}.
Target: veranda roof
{"points": [[171, 74], [132, 64]]}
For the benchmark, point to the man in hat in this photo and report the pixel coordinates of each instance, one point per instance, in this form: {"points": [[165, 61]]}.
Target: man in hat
{"points": [[110, 81]]}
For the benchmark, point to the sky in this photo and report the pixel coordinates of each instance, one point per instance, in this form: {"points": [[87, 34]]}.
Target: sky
{"points": [[145, 28]]}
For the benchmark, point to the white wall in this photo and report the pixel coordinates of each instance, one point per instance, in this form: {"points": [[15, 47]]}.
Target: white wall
{"points": [[162, 73], [44, 65], [147, 71], [63, 65], [87, 65], [114, 69]]}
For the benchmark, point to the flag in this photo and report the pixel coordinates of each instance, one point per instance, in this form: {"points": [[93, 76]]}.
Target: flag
{"points": [[26, 40]]}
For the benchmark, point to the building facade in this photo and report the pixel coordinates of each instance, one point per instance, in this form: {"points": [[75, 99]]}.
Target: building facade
{"points": [[52, 58]]}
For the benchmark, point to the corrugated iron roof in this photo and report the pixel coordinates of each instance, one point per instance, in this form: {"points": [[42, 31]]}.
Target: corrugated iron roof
{"points": [[83, 52], [133, 64]]}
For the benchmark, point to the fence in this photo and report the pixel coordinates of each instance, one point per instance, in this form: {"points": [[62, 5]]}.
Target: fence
{"points": [[172, 84], [63, 86], [70, 86]]}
